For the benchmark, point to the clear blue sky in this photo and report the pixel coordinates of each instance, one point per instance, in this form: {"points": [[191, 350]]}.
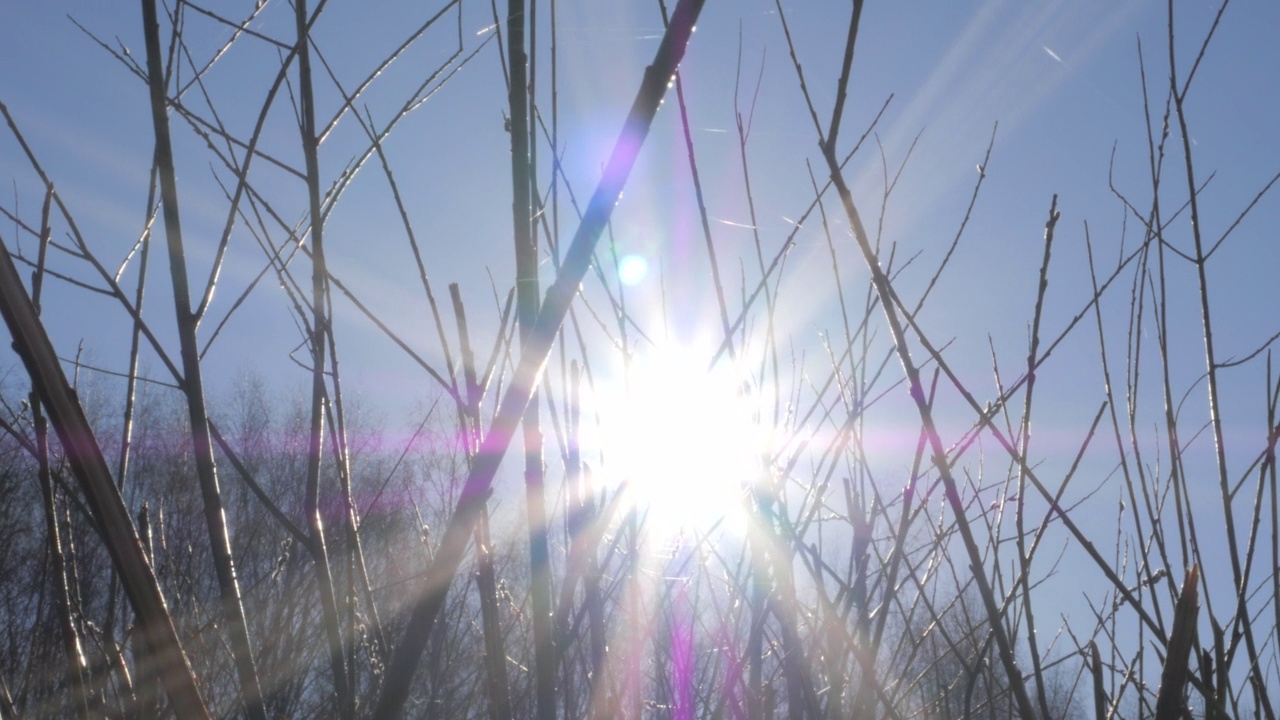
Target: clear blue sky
{"points": [[1060, 77]]}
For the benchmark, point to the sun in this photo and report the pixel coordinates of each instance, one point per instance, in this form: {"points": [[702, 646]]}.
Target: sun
{"points": [[682, 442]]}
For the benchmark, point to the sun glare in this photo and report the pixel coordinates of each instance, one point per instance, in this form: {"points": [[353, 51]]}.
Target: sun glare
{"points": [[684, 441]]}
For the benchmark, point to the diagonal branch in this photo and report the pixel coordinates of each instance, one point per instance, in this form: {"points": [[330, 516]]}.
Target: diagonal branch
{"points": [[534, 354]]}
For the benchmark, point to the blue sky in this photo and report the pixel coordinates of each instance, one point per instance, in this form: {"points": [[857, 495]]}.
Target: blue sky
{"points": [[1061, 79]]}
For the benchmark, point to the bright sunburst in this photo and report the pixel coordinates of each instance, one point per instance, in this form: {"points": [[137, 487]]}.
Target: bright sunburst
{"points": [[683, 439]]}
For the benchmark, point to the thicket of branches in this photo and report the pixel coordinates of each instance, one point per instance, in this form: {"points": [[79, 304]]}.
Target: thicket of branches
{"points": [[173, 551]]}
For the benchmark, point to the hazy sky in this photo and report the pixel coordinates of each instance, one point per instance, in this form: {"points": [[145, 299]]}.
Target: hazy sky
{"points": [[1060, 77]]}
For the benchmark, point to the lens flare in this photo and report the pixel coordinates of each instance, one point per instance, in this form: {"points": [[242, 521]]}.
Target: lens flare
{"points": [[632, 269]]}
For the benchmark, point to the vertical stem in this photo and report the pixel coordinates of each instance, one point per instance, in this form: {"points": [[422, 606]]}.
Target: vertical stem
{"points": [[1211, 363], [495, 656], [1243, 620], [131, 386], [755, 645], [1024, 557], [1268, 473], [135, 341], [318, 343], [70, 635], [358, 569], [526, 250], [231, 611], [555, 144]]}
